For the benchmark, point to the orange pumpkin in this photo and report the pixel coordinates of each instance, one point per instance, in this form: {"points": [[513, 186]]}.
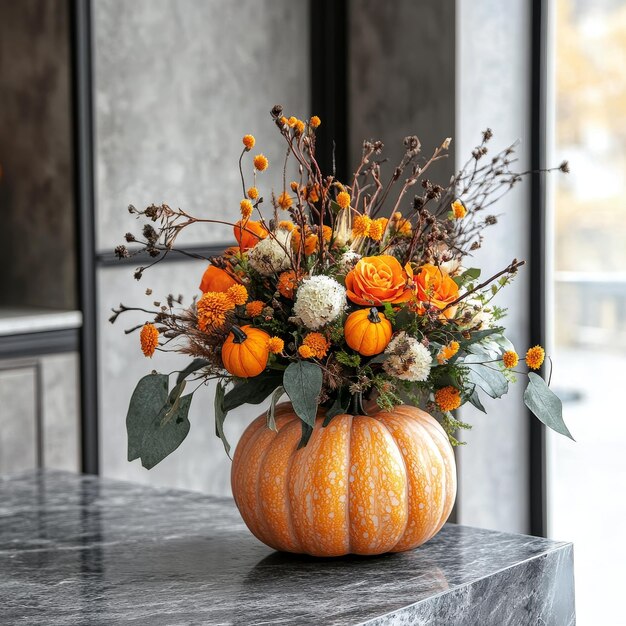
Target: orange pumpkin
{"points": [[245, 351], [367, 331], [362, 485]]}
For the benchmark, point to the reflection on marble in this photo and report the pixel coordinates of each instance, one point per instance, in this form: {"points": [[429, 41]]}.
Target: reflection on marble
{"points": [[493, 59], [177, 84], [82, 550]]}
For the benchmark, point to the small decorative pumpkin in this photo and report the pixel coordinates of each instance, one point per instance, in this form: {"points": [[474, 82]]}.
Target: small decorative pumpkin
{"points": [[362, 485], [367, 331], [245, 351]]}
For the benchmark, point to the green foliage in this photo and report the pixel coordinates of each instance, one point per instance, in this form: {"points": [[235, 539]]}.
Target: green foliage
{"points": [[194, 366], [487, 376], [271, 412], [545, 404], [156, 422], [302, 381], [350, 360], [452, 425], [390, 314], [220, 414]]}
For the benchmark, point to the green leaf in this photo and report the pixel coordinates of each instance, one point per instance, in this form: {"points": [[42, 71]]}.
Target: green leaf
{"points": [[174, 401], [471, 274], [491, 380], [390, 314], [152, 437], [379, 358], [474, 399], [194, 366], [339, 406], [545, 404], [220, 415], [350, 360], [271, 412], [252, 390], [302, 381]]}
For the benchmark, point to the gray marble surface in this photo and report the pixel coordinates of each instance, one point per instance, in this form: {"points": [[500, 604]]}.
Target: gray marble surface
{"points": [[81, 550]]}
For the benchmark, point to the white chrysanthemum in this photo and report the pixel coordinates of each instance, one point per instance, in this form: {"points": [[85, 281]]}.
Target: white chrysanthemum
{"points": [[319, 301], [270, 255], [409, 359], [347, 261]]}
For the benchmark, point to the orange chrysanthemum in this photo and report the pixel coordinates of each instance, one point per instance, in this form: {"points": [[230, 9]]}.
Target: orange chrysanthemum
{"points": [[284, 121], [328, 233], [212, 308], [284, 200], [299, 127], [237, 294], [510, 359], [318, 344], [253, 193], [294, 186], [343, 199], [361, 226], [149, 337], [261, 162], [377, 228], [535, 357], [447, 352], [286, 225], [287, 284], [310, 242], [249, 141], [246, 209], [458, 210], [312, 193], [404, 228], [292, 121], [305, 352], [448, 398], [315, 121], [254, 308], [275, 345]]}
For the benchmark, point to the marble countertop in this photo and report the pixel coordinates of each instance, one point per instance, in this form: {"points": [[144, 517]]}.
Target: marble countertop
{"points": [[21, 320], [82, 550]]}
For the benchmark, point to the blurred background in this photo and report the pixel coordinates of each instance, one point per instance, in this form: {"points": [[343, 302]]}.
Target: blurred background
{"points": [[105, 103]]}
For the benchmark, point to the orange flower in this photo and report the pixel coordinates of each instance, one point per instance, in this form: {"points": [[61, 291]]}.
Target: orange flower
{"points": [[315, 121], [287, 284], [343, 199], [436, 288], [299, 127], [284, 200], [310, 241], [246, 209], [294, 186], [216, 279], [237, 294], [458, 210], [275, 345], [378, 279], [286, 225], [447, 352], [312, 193], [377, 228], [260, 162], [361, 226], [253, 193], [535, 357], [318, 344], [254, 308], [305, 352], [510, 359], [448, 398], [248, 234], [328, 233], [248, 142], [292, 121], [149, 338], [212, 308]]}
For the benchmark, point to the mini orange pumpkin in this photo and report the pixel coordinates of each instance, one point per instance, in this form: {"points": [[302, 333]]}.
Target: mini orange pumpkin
{"points": [[245, 351], [367, 331], [362, 485]]}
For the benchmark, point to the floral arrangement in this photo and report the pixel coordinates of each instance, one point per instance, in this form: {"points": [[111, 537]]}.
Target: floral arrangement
{"points": [[352, 295]]}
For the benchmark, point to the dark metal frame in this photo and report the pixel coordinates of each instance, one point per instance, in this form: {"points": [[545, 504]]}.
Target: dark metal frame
{"points": [[329, 49], [538, 253], [109, 259], [84, 198]]}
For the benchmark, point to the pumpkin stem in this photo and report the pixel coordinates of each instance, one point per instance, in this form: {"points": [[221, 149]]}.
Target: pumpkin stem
{"points": [[240, 336], [373, 316], [356, 404]]}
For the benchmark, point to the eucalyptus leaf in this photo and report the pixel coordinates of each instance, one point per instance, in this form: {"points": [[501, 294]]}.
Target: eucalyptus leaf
{"points": [[302, 381], [220, 415], [194, 366], [307, 431], [271, 412], [486, 376], [151, 437], [474, 399], [251, 391], [379, 358], [174, 401], [545, 404]]}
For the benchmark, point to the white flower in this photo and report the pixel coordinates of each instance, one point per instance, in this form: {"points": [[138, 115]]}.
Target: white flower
{"points": [[347, 261], [270, 255], [408, 360], [319, 300]]}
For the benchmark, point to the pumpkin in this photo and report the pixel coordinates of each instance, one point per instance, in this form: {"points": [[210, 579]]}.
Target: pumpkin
{"points": [[367, 331], [245, 351], [362, 485]]}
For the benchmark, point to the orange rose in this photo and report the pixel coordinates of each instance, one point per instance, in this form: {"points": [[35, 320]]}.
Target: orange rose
{"points": [[216, 279], [378, 279], [248, 234], [435, 287]]}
